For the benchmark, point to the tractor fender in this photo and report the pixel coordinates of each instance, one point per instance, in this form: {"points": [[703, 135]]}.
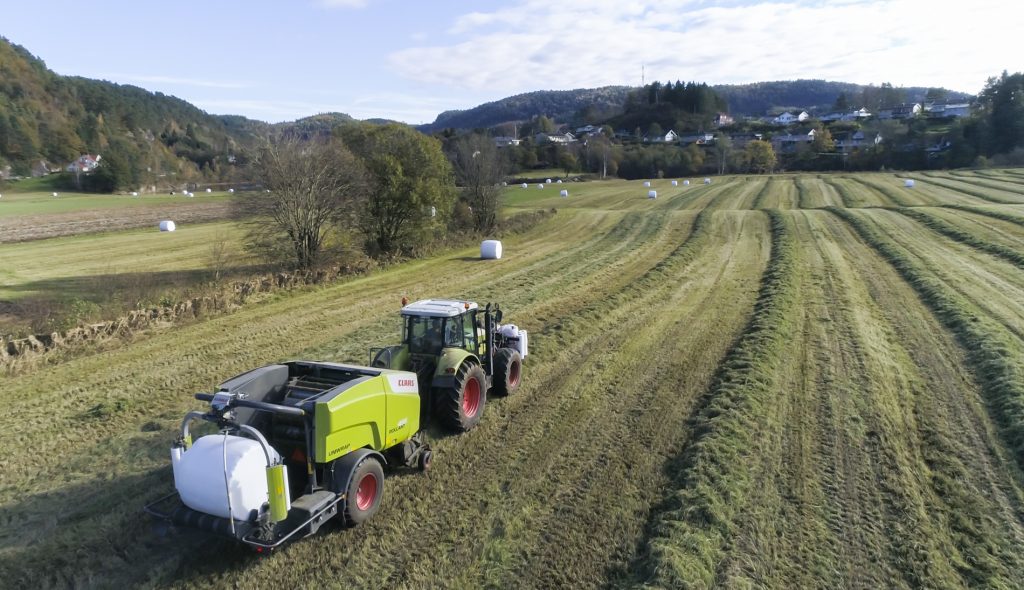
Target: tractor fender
{"points": [[448, 366], [342, 469]]}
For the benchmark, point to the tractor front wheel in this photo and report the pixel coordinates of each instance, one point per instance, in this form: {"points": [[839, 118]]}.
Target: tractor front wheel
{"points": [[462, 405], [508, 371], [365, 491]]}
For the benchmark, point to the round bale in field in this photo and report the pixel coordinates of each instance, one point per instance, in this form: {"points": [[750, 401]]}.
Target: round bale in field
{"points": [[652, 194], [490, 249], [209, 190], [564, 193], [167, 225], [55, 194], [231, 190], [675, 183], [524, 185], [908, 183], [686, 183], [504, 184], [559, 181], [540, 186], [647, 183], [135, 193], [548, 181], [707, 181]]}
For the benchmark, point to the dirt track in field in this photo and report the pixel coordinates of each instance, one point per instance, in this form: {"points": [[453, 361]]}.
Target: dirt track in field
{"points": [[867, 455]]}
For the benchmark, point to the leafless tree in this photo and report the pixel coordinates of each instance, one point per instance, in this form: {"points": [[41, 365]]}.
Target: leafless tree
{"points": [[479, 168], [313, 187]]}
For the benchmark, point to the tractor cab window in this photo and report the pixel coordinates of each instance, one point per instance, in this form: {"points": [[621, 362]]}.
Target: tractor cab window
{"points": [[469, 330], [453, 332], [424, 335]]}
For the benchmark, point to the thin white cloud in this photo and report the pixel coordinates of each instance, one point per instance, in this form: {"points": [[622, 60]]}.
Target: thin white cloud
{"points": [[538, 44]]}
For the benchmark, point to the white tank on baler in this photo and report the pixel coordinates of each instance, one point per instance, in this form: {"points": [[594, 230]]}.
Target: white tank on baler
{"points": [[217, 465], [517, 337]]}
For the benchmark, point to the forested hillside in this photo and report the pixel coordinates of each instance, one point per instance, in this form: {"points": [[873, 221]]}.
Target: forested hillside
{"points": [[149, 135], [561, 105]]}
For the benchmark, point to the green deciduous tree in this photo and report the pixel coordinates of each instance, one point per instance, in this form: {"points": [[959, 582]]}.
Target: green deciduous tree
{"points": [[760, 156], [408, 174]]}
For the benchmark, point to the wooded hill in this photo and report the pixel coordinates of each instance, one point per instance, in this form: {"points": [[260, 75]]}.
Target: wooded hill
{"points": [[597, 105]]}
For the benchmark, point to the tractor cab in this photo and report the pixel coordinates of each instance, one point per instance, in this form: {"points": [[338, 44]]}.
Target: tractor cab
{"points": [[430, 326]]}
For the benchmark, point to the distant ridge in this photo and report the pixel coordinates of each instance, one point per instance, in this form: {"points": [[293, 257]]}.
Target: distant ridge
{"points": [[743, 99]]}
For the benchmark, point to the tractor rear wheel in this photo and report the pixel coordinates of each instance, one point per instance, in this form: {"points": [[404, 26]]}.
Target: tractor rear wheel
{"points": [[461, 406], [508, 371], [364, 492]]}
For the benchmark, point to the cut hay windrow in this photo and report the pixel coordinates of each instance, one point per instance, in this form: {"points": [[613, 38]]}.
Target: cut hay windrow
{"points": [[850, 200], [994, 214], [992, 352], [888, 191], [689, 539], [981, 181], [766, 189], [958, 187], [951, 231], [803, 191]]}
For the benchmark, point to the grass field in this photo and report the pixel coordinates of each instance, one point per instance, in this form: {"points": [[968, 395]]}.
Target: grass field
{"points": [[765, 382]]}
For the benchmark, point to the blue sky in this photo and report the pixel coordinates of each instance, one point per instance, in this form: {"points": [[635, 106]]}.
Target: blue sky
{"points": [[410, 60]]}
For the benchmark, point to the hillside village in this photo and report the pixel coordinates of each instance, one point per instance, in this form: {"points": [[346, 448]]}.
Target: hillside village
{"points": [[786, 131]]}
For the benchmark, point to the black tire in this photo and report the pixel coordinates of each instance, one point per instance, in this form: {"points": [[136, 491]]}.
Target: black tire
{"points": [[364, 492], [461, 406], [508, 371]]}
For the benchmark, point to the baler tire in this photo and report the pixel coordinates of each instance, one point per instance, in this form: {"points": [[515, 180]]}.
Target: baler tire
{"points": [[364, 492], [461, 406], [508, 371]]}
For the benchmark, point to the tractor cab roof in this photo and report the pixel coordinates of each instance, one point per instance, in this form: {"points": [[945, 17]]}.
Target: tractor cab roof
{"points": [[438, 308]]}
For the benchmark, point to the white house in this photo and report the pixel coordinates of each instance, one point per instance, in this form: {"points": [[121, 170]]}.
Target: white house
{"points": [[905, 110], [856, 115], [848, 142], [722, 119], [562, 138], [945, 110], [788, 143], [505, 141], [789, 118], [668, 137], [84, 163]]}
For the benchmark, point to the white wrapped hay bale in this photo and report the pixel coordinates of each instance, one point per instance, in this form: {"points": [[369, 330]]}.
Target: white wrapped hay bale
{"points": [[209, 190], [675, 183], [548, 181], [559, 181], [652, 194], [135, 193], [223, 475], [908, 183], [686, 183], [540, 186], [525, 185], [231, 190], [504, 184], [490, 250], [167, 225], [707, 181], [564, 193], [647, 183], [55, 194]]}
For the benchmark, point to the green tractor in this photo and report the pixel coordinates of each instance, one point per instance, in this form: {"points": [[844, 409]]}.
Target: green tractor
{"points": [[460, 353], [299, 443]]}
